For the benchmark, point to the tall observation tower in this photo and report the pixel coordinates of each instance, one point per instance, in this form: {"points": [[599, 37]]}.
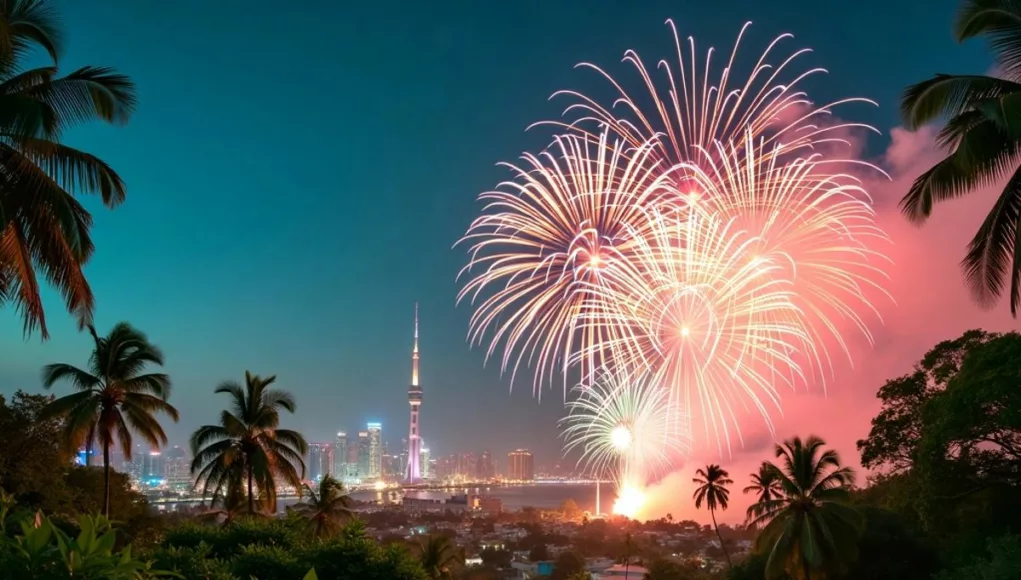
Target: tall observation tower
{"points": [[414, 474]]}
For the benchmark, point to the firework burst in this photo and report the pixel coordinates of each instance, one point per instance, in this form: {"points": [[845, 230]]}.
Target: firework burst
{"points": [[691, 112], [552, 232], [620, 426], [708, 319], [714, 244]]}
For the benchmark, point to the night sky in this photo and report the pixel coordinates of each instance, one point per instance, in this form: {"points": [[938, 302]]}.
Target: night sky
{"points": [[297, 179]]}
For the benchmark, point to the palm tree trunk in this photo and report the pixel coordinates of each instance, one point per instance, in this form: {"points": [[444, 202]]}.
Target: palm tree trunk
{"points": [[251, 499], [106, 478], [723, 547]]}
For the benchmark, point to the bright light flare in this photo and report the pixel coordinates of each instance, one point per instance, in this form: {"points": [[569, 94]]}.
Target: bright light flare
{"points": [[620, 437], [380, 485], [621, 425], [629, 502]]}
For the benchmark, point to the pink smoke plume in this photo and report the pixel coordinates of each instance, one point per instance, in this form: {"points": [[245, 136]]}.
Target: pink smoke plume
{"points": [[932, 304]]}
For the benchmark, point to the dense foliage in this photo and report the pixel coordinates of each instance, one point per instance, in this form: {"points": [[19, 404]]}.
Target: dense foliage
{"points": [[248, 450], [281, 549], [948, 440], [114, 397]]}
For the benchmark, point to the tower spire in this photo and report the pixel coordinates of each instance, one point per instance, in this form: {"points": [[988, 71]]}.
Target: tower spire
{"points": [[414, 473], [414, 352]]}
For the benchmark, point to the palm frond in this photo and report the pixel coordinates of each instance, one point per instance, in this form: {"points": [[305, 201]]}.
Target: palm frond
{"points": [[20, 283], [149, 404], [946, 96], [1000, 22], [83, 381], [28, 23], [982, 157], [992, 254], [62, 406], [154, 384], [89, 94], [276, 398], [74, 170], [145, 424], [206, 435]]}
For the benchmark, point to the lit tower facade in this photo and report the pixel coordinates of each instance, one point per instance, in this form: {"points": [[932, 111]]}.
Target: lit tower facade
{"points": [[414, 473]]}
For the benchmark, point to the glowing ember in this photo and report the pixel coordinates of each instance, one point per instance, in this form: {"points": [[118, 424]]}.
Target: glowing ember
{"points": [[629, 501], [621, 437]]}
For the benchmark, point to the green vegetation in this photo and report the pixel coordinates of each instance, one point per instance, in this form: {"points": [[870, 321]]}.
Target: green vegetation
{"points": [[248, 447], [712, 489], [280, 549], [114, 397], [326, 509], [983, 138], [944, 451], [43, 228], [438, 555], [809, 528]]}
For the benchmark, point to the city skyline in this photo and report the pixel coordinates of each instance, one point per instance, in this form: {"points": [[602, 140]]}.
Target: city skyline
{"points": [[331, 322]]}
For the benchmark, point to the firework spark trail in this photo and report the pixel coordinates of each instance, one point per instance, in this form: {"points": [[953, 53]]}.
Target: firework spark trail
{"points": [[707, 318], [692, 114], [557, 227], [620, 424], [815, 225], [717, 241]]}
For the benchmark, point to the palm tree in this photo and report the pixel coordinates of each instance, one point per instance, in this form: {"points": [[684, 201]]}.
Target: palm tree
{"points": [[765, 484], [438, 555], [809, 527], [42, 226], [712, 489], [114, 398], [327, 509], [983, 139], [229, 503], [248, 445]]}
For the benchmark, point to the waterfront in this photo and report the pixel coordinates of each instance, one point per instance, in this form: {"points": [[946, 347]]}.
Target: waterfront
{"points": [[514, 497]]}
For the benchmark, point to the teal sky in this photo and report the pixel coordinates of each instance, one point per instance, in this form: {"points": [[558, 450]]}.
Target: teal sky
{"points": [[297, 177]]}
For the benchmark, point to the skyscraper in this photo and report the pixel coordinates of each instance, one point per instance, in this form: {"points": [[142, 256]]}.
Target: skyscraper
{"points": [[340, 456], [415, 400], [178, 470], [520, 465], [402, 459], [485, 468], [375, 450], [313, 464], [154, 470], [424, 463], [363, 454]]}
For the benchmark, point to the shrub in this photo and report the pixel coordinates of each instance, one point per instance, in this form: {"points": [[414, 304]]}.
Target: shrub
{"points": [[268, 563], [192, 563]]}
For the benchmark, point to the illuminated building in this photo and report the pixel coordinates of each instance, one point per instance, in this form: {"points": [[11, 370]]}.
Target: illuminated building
{"points": [[340, 456], [134, 467], [486, 504], [485, 466], [519, 465], [363, 454], [178, 470], [320, 461], [154, 471], [424, 464], [415, 450], [402, 459], [375, 450]]}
